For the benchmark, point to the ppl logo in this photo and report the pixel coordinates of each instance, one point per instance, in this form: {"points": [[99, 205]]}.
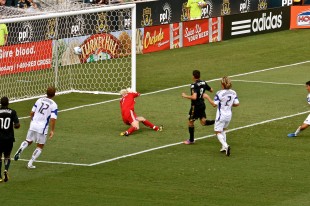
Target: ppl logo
{"points": [[303, 19]]}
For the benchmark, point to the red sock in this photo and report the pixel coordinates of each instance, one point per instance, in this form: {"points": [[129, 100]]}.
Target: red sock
{"points": [[150, 125], [131, 130]]}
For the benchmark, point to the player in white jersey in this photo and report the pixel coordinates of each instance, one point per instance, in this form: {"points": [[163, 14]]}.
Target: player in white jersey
{"points": [[43, 113], [224, 99], [306, 123]]}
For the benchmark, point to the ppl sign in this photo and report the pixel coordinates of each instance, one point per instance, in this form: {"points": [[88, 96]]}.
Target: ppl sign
{"points": [[287, 2]]}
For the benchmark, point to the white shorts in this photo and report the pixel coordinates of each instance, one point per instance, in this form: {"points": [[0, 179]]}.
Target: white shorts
{"points": [[33, 136], [220, 125], [307, 121]]}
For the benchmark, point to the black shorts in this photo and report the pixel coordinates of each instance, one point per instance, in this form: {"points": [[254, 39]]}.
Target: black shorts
{"points": [[197, 112], [6, 148]]}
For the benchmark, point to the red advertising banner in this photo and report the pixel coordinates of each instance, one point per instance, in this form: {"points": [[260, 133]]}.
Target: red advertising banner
{"points": [[25, 57], [156, 38], [195, 32], [300, 17]]}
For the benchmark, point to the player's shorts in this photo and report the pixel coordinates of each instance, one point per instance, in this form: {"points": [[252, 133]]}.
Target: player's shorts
{"points": [[33, 136], [307, 121], [6, 147], [129, 117], [197, 112], [219, 125]]}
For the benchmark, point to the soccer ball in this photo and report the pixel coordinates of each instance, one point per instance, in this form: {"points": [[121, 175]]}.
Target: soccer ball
{"points": [[77, 50]]}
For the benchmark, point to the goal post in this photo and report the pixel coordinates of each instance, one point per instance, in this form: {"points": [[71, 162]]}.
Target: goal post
{"points": [[41, 52]]}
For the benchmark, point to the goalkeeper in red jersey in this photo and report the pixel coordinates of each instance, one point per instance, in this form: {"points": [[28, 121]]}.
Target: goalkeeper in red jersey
{"points": [[129, 116]]}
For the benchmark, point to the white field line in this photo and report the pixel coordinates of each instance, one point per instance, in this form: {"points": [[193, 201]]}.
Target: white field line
{"points": [[200, 138], [163, 90], [170, 145], [263, 82]]}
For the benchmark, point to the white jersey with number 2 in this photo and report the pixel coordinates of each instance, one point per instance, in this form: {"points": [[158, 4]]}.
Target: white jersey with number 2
{"points": [[44, 109], [225, 99]]}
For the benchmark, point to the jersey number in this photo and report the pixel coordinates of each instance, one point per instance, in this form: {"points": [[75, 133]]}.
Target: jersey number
{"points": [[43, 107], [229, 99], [201, 92], [5, 123]]}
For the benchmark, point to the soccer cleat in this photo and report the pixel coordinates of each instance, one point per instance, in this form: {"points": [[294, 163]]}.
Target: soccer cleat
{"points": [[124, 133], [228, 151], [160, 128], [6, 176], [31, 166], [210, 122], [17, 155], [188, 142], [223, 149], [292, 135]]}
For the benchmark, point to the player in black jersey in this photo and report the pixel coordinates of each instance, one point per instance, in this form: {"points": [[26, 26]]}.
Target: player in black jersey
{"points": [[198, 107], [8, 121]]}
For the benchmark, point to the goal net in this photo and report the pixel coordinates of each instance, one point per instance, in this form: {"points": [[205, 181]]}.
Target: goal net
{"points": [[87, 51]]}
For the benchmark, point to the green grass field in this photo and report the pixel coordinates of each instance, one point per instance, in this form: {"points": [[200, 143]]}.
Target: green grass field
{"points": [[88, 163]]}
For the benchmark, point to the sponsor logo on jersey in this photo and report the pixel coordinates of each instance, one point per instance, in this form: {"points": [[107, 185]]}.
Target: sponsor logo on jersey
{"points": [[267, 21], [303, 19]]}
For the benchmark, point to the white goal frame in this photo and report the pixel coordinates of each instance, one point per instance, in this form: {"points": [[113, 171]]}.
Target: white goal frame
{"points": [[132, 7]]}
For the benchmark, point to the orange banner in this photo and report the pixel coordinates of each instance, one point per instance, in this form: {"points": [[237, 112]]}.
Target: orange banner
{"points": [[25, 57], [195, 32], [300, 17], [156, 38]]}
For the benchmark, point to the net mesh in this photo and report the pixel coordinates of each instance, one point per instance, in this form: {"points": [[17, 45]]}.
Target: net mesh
{"points": [[88, 52]]}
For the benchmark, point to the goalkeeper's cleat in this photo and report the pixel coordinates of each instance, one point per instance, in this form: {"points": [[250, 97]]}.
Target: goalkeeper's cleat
{"points": [[292, 135], [17, 155], [160, 128], [6, 176], [124, 133], [31, 166]]}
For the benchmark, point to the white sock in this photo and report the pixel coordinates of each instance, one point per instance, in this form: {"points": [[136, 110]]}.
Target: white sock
{"points": [[297, 131], [220, 137], [23, 146], [35, 155], [224, 135]]}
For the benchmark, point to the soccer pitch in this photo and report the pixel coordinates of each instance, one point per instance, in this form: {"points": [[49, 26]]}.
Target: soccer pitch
{"points": [[88, 163]]}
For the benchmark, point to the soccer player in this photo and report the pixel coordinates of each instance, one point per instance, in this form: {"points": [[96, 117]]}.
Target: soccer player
{"points": [[3, 34], [224, 99], [129, 116], [8, 121], [43, 113], [306, 123], [198, 107]]}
